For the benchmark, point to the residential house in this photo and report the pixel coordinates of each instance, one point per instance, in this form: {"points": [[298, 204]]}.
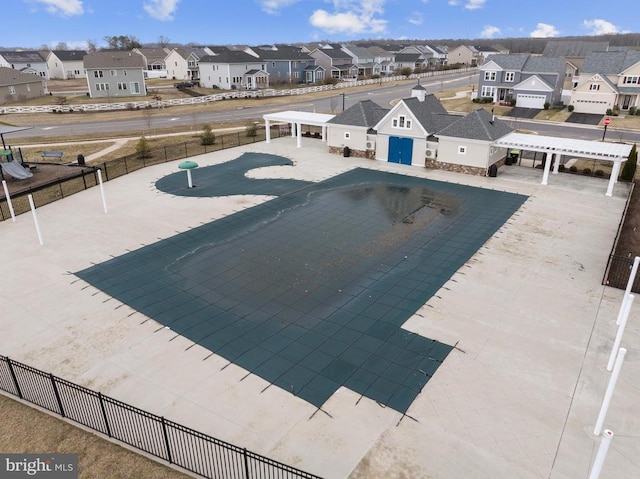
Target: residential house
{"points": [[574, 52], [336, 62], [66, 64], [288, 64], [353, 129], [25, 61], [115, 74], [154, 61], [424, 60], [470, 55], [608, 80], [412, 61], [532, 81], [18, 86], [183, 63], [364, 59], [233, 69], [385, 59], [439, 55]]}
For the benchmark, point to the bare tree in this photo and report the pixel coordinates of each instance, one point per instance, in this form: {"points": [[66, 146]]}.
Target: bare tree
{"points": [[333, 104], [61, 46], [163, 41], [91, 46], [122, 42]]}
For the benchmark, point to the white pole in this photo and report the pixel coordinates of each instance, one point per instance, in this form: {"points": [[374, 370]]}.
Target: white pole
{"points": [[623, 324], [104, 199], [623, 306], [35, 219], [610, 387], [8, 197], [602, 454], [189, 180]]}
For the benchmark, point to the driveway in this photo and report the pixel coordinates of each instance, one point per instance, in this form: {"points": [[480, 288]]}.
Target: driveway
{"points": [[519, 112], [584, 118]]}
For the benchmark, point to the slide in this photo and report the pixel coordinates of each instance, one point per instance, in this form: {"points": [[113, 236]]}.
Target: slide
{"points": [[16, 170]]}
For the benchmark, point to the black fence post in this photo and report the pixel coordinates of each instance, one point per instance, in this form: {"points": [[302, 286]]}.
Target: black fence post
{"points": [[166, 439], [246, 463], [15, 379], [84, 181], [165, 153], [222, 142], [106, 173], [57, 393], [104, 414]]}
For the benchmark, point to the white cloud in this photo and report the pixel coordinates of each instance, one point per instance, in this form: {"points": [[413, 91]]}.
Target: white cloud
{"points": [[474, 4], [598, 26], [161, 9], [416, 18], [544, 30], [273, 6], [351, 16], [63, 7], [71, 45], [453, 3], [489, 31]]}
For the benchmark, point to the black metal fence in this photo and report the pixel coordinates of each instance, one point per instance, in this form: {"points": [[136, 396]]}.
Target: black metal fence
{"points": [[87, 178], [176, 444]]}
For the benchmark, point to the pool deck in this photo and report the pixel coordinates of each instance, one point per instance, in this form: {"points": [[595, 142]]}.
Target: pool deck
{"points": [[518, 398]]}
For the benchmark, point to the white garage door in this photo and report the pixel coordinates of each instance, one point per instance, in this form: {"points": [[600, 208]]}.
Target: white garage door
{"points": [[591, 106], [530, 101]]}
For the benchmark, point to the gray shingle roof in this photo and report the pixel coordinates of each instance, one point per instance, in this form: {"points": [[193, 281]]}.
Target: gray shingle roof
{"points": [[230, 56], [113, 59], [69, 55], [10, 76], [365, 113], [153, 54], [610, 63], [537, 64], [573, 48], [427, 112], [407, 57], [509, 62], [477, 125], [282, 53], [333, 53]]}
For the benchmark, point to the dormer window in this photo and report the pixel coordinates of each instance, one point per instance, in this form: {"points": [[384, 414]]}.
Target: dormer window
{"points": [[594, 87], [401, 122]]}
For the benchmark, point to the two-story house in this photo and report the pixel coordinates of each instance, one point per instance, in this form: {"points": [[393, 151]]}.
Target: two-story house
{"points": [[233, 69], [364, 59], [336, 62], [412, 61], [25, 61], [288, 64], [115, 74], [608, 80], [66, 64], [532, 81], [183, 63], [18, 86], [154, 61], [470, 54]]}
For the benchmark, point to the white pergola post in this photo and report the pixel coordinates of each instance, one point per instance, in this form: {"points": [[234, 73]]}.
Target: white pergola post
{"points": [[267, 130], [547, 167], [556, 163], [324, 133], [613, 179], [293, 129], [299, 135]]}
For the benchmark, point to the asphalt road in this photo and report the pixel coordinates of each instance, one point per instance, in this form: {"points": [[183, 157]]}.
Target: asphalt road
{"points": [[384, 96]]}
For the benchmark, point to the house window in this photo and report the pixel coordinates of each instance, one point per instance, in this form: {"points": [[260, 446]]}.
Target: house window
{"points": [[114, 73], [509, 76], [296, 75], [294, 64], [594, 87], [630, 80], [347, 135], [489, 76], [28, 87], [488, 91], [462, 150], [102, 86], [122, 86], [273, 64], [134, 87], [12, 90], [98, 74], [401, 122]]}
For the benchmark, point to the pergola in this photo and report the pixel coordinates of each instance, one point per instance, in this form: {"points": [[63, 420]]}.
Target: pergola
{"points": [[297, 119], [554, 146]]}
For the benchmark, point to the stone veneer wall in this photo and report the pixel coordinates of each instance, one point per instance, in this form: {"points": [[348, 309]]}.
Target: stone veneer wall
{"points": [[467, 170], [369, 154]]}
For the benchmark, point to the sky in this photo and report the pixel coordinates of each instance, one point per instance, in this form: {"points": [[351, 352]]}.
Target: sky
{"points": [[35, 23]]}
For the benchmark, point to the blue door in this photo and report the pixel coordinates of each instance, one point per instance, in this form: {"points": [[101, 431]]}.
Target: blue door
{"points": [[400, 150]]}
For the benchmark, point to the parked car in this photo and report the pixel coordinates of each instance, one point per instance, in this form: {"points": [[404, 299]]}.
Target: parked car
{"points": [[184, 84]]}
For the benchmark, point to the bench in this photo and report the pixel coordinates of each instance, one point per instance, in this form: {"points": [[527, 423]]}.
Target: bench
{"points": [[52, 154]]}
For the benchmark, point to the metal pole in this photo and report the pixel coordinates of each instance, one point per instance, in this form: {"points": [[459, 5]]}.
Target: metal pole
{"points": [[602, 454], [623, 324], [35, 219], [609, 393], [8, 197], [104, 199], [632, 277], [189, 180]]}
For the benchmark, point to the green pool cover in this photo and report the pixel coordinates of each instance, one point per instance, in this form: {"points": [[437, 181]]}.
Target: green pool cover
{"points": [[310, 290]]}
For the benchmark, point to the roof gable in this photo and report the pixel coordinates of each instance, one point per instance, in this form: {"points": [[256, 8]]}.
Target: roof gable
{"points": [[365, 113], [477, 125], [533, 83]]}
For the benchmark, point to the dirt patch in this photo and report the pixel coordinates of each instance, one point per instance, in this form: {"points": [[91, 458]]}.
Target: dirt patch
{"points": [[629, 239]]}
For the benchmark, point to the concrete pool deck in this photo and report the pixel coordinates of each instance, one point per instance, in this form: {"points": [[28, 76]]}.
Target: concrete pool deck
{"points": [[518, 398]]}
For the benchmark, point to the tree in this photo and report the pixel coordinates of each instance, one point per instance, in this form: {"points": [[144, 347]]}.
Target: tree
{"points": [[207, 137], [142, 148], [61, 46], [629, 168], [91, 46], [163, 41], [251, 130], [406, 71], [122, 42]]}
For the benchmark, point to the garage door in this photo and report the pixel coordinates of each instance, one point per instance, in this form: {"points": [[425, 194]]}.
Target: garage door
{"points": [[591, 106], [530, 101]]}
